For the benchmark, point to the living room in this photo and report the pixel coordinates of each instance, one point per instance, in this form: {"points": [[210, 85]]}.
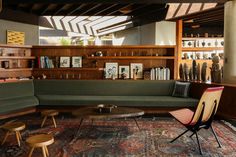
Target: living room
{"points": [[117, 78]]}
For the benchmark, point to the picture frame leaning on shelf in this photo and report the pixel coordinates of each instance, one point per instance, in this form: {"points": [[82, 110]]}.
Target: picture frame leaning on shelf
{"points": [[64, 62], [76, 62]]}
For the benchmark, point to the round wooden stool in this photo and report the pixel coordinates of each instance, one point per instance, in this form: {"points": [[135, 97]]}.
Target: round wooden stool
{"points": [[49, 113], [13, 127], [41, 140]]}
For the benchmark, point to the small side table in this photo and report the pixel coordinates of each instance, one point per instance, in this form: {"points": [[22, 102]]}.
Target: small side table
{"points": [[49, 113], [13, 127], [42, 141]]}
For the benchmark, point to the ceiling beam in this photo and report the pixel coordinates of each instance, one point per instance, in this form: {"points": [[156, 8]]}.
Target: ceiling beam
{"points": [[104, 9], [58, 9], [90, 9], [75, 8], [111, 2]]}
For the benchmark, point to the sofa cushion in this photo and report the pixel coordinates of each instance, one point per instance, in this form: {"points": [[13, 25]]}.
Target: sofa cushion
{"points": [[143, 101], [8, 105], [181, 89], [104, 87]]}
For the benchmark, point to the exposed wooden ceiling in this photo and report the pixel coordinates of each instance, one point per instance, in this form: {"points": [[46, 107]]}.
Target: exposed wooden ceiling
{"points": [[139, 12]]}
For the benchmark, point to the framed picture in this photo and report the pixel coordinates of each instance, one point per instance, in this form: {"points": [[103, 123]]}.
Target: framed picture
{"points": [[64, 62], [124, 72], [136, 68], [111, 70], [76, 62]]}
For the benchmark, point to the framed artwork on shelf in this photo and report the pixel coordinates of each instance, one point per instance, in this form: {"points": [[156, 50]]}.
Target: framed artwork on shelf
{"points": [[76, 62], [124, 72], [136, 68], [64, 62], [111, 70]]}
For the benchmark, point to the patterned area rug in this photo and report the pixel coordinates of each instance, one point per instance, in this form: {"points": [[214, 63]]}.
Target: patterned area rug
{"points": [[120, 138]]}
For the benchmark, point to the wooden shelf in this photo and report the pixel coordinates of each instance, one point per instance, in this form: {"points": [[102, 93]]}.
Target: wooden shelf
{"points": [[16, 57], [185, 49], [15, 70], [132, 57], [67, 69], [199, 38]]}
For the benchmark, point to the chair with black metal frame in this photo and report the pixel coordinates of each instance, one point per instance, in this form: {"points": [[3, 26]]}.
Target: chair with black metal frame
{"points": [[203, 115]]}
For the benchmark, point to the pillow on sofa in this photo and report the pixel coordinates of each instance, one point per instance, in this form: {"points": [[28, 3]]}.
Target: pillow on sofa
{"points": [[181, 89]]}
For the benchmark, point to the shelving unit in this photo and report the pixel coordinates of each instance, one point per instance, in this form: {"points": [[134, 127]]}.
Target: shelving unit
{"points": [[15, 61], [194, 49], [93, 66]]}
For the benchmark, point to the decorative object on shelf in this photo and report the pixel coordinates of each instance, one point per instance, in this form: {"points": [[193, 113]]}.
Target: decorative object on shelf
{"points": [[209, 44], [190, 44], [203, 72], [213, 54], [15, 37], [99, 53], [216, 43], [111, 70], [194, 70], [221, 55], [64, 62], [222, 43], [124, 72], [205, 56], [136, 70], [216, 70], [160, 73], [147, 75], [186, 56], [203, 43], [6, 64], [190, 74], [198, 72], [198, 56], [76, 62], [186, 72], [181, 71]]}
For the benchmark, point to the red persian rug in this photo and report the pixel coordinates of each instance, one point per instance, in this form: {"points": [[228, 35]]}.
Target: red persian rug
{"points": [[120, 138]]}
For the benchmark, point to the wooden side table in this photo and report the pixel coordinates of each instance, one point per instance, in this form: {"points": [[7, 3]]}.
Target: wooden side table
{"points": [[42, 141], [49, 113], [13, 127]]}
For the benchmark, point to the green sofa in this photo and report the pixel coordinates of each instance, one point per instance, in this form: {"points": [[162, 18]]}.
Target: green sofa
{"points": [[139, 93], [17, 95]]}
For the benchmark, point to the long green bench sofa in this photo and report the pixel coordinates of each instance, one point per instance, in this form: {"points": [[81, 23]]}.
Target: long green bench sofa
{"points": [[42, 93], [17, 95]]}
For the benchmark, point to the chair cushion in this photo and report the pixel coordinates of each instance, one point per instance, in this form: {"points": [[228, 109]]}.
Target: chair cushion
{"points": [[184, 116], [145, 101]]}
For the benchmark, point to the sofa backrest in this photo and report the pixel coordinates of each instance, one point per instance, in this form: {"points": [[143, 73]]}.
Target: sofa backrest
{"points": [[104, 87], [10, 90]]}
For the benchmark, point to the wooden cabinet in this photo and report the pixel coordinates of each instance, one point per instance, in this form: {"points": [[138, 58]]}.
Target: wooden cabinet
{"points": [[15, 61], [94, 59]]}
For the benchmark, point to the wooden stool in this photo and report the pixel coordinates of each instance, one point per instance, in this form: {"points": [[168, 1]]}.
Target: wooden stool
{"points": [[41, 140], [49, 113], [13, 127]]}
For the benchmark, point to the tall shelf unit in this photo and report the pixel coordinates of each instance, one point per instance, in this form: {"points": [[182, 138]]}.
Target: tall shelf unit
{"points": [[93, 65], [201, 49], [15, 61]]}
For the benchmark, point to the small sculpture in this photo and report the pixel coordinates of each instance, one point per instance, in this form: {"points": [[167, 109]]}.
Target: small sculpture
{"points": [[181, 72], [186, 72], [203, 71], [216, 71], [194, 69], [198, 73], [191, 74]]}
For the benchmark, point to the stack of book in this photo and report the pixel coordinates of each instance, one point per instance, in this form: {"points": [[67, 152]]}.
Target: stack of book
{"points": [[160, 73], [45, 62]]}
